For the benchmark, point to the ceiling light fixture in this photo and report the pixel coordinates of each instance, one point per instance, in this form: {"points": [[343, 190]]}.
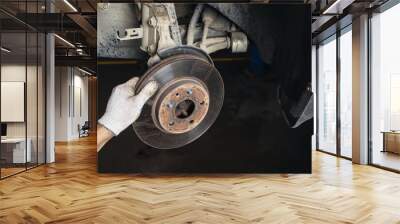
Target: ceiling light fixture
{"points": [[70, 5], [65, 41], [84, 71], [337, 7], [5, 50]]}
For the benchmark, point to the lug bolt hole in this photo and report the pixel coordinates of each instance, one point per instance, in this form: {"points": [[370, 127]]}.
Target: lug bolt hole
{"points": [[191, 121], [171, 123], [202, 103]]}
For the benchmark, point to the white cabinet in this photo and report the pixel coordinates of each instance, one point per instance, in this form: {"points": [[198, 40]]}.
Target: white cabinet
{"points": [[17, 146]]}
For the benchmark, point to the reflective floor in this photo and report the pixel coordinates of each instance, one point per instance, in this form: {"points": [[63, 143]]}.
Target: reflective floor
{"points": [[387, 159]]}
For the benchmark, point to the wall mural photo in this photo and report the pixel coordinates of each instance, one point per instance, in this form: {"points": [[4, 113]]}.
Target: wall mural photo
{"points": [[204, 88]]}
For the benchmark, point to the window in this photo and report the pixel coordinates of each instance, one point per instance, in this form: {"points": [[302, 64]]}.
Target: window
{"points": [[346, 93], [327, 96], [385, 88], [334, 106]]}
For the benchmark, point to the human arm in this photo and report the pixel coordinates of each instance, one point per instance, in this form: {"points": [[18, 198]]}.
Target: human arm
{"points": [[123, 108]]}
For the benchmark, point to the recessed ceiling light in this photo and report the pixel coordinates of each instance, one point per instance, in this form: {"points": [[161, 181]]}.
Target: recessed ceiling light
{"points": [[337, 7], [70, 5], [84, 71], [65, 41], [5, 50]]}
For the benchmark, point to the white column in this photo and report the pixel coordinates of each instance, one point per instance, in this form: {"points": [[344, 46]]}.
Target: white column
{"points": [[360, 90], [50, 92], [50, 99], [314, 90]]}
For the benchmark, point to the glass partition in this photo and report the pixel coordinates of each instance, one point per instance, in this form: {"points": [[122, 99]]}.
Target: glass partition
{"points": [[13, 94], [22, 64]]}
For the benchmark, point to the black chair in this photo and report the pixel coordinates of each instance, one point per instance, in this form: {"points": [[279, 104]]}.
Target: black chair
{"points": [[84, 130]]}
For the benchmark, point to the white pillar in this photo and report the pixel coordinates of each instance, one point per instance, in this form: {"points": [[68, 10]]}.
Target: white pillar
{"points": [[50, 92], [50, 99], [360, 90], [314, 90]]}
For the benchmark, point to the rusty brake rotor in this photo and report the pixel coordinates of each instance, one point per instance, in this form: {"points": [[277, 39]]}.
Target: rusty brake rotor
{"points": [[187, 103]]}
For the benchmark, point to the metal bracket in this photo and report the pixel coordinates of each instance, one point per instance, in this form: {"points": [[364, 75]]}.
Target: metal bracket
{"points": [[131, 34], [174, 28]]}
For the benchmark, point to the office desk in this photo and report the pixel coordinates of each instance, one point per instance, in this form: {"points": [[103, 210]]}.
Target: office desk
{"points": [[13, 150], [391, 141]]}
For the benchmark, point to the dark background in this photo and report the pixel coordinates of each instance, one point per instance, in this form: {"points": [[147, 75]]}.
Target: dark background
{"points": [[250, 134]]}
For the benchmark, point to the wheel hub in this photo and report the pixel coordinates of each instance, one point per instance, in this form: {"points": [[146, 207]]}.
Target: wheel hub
{"points": [[182, 105]]}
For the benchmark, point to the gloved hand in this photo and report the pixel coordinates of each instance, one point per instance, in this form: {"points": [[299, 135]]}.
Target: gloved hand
{"points": [[124, 107]]}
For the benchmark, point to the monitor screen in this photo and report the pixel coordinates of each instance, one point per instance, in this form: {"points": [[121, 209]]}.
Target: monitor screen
{"points": [[3, 129]]}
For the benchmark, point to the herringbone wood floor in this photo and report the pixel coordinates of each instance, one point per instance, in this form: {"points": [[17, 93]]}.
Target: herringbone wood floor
{"points": [[71, 191]]}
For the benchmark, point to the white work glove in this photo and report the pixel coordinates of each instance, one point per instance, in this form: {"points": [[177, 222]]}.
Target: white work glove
{"points": [[124, 107]]}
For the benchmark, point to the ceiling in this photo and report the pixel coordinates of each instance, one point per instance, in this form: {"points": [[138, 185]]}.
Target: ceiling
{"points": [[74, 22]]}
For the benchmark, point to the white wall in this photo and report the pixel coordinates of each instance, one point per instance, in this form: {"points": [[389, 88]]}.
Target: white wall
{"points": [[33, 127], [11, 73], [80, 103], [17, 73], [61, 103], [71, 102]]}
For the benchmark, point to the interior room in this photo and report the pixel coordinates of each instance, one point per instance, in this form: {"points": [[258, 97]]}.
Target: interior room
{"points": [[385, 109], [199, 112], [22, 103]]}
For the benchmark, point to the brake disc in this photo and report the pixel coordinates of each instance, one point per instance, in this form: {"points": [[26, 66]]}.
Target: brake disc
{"points": [[184, 49], [187, 103]]}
